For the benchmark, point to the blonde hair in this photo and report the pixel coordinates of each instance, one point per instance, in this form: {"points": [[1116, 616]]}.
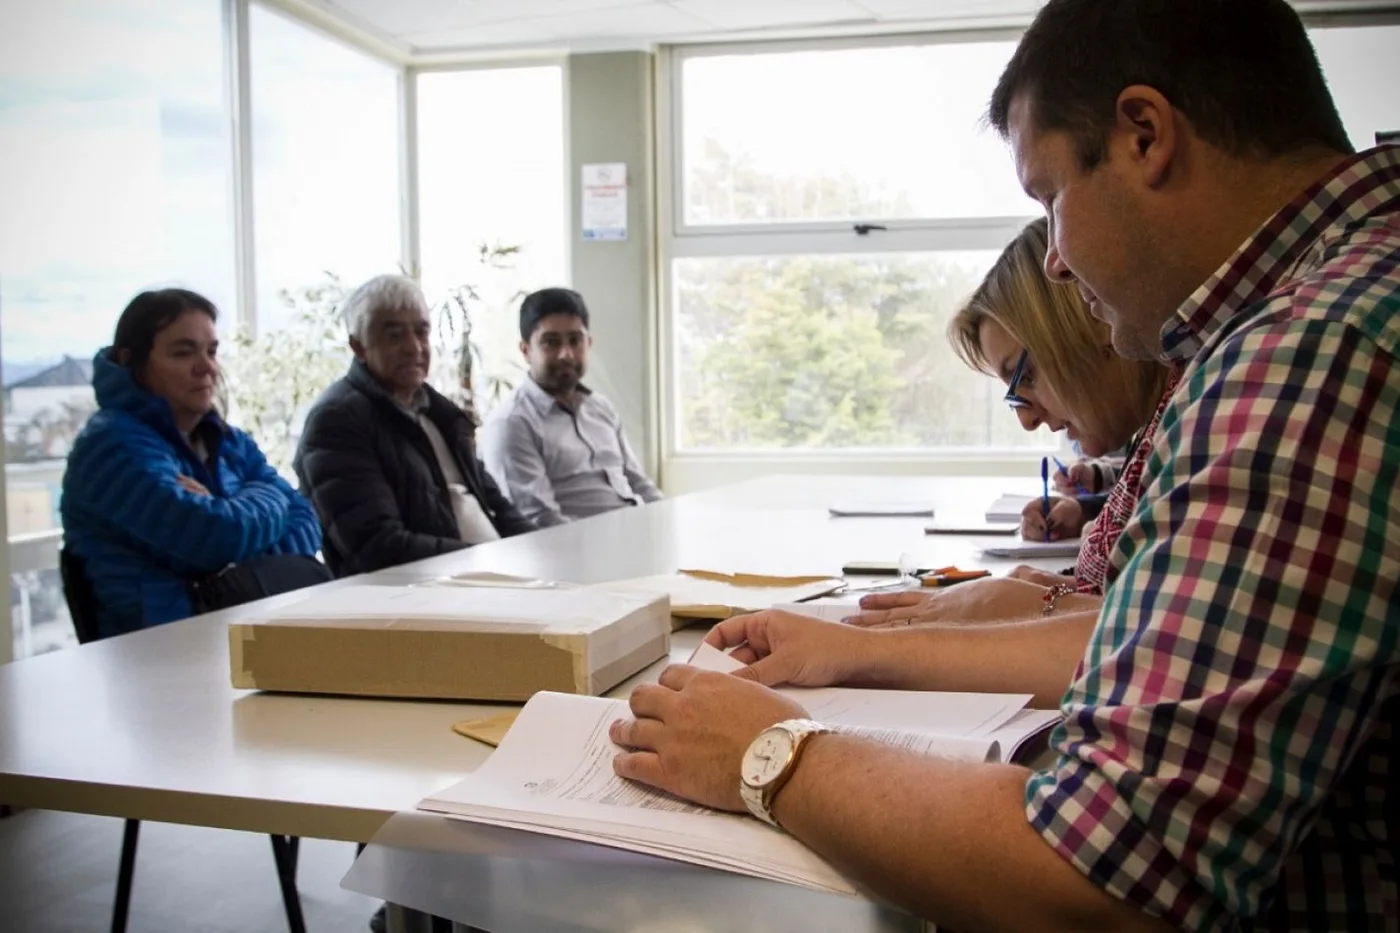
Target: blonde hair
{"points": [[1102, 392]]}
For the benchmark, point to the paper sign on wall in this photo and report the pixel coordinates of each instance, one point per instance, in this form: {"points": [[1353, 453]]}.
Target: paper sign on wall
{"points": [[605, 201]]}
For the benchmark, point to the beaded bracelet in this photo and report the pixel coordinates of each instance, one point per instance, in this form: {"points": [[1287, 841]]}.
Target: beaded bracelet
{"points": [[1052, 596]]}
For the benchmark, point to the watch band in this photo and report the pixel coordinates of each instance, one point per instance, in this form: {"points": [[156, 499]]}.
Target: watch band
{"points": [[759, 799]]}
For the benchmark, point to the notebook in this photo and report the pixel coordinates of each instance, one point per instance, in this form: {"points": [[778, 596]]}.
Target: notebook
{"points": [[1008, 508]]}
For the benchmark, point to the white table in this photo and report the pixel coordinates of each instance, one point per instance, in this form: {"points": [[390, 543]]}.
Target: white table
{"points": [[147, 725]]}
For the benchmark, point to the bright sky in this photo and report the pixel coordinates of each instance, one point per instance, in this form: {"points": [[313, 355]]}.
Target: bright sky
{"points": [[904, 119]]}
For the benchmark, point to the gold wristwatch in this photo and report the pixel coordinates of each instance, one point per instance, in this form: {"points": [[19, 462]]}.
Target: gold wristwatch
{"points": [[769, 762]]}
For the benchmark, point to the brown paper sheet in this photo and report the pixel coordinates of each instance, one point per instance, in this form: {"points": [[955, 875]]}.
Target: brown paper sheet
{"points": [[490, 730]]}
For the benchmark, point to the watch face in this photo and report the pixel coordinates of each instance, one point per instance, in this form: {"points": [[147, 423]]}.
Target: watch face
{"points": [[767, 757]]}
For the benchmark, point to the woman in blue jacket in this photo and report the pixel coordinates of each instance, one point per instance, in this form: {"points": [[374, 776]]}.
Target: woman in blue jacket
{"points": [[160, 491]]}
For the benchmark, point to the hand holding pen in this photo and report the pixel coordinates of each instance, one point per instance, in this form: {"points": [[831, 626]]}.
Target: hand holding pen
{"points": [[1068, 479]]}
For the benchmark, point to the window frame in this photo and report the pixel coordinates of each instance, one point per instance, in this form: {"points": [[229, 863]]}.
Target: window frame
{"points": [[682, 240]]}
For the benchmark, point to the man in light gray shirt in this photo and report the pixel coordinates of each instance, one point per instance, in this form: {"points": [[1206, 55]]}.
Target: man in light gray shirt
{"points": [[555, 446]]}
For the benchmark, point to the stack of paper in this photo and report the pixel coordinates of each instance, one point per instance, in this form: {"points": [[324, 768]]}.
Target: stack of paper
{"points": [[553, 774]]}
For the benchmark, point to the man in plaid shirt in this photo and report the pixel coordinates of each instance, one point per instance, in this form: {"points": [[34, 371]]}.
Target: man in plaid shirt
{"points": [[1228, 757]]}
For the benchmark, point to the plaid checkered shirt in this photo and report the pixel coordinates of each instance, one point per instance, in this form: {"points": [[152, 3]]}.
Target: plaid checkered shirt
{"points": [[1229, 759]]}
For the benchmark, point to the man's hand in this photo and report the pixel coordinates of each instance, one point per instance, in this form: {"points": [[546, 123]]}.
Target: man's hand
{"points": [[784, 648], [190, 484], [1066, 520], [992, 599], [691, 730]]}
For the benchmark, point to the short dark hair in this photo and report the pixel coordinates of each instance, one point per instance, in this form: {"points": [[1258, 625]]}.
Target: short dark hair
{"points": [[541, 304], [148, 314], [1242, 71]]}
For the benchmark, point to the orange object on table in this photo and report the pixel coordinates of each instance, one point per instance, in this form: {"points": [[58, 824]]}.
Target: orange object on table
{"points": [[948, 576]]}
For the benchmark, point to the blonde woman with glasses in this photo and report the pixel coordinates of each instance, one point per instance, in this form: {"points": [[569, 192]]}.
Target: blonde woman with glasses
{"points": [[1060, 370]]}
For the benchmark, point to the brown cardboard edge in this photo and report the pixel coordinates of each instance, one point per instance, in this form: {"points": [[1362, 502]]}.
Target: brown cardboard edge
{"points": [[238, 635], [609, 676]]}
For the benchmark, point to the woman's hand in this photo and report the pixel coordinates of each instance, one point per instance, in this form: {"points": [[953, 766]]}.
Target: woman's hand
{"points": [[1078, 477], [189, 484], [1066, 520], [1039, 577]]}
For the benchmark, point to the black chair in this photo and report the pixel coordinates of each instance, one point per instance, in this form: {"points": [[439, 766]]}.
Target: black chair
{"points": [[82, 606]]}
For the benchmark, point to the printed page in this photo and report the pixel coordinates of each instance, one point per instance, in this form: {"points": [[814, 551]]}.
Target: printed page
{"points": [[553, 774], [1021, 728]]}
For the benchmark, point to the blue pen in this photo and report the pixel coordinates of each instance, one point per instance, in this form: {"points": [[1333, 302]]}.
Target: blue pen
{"points": [[1079, 487], [1045, 494]]}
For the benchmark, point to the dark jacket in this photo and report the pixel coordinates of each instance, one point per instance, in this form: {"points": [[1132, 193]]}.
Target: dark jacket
{"points": [[140, 535], [371, 473]]}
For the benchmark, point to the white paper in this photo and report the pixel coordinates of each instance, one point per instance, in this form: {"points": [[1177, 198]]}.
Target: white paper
{"points": [[1002, 549], [553, 774], [709, 658], [490, 579], [1008, 507], [875, 509], [476, 609], [605, 201]]}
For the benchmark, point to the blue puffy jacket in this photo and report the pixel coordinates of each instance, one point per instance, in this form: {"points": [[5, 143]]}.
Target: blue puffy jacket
{"points": [[140, 535]]}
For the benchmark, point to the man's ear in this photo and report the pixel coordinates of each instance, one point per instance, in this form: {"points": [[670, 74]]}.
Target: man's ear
{"points": [[357, 348], [124, 356], [525, 349], [1146, 126]]}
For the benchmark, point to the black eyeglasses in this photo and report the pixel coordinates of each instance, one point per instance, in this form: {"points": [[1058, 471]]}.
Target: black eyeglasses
{"points": [[1011, 398]]}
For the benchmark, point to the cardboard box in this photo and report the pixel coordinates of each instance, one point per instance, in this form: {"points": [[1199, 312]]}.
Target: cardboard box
{"points": [[451, 643], [709, 596]]}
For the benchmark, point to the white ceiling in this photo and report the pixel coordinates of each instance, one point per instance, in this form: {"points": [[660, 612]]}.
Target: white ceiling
{"points": [[418, 27]]}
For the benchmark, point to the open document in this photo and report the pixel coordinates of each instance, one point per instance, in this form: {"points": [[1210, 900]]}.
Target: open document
{"points": [[553, 774]]}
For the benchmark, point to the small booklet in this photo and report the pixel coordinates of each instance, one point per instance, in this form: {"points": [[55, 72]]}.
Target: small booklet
{"points": [[552, 774], [1007, 509]]}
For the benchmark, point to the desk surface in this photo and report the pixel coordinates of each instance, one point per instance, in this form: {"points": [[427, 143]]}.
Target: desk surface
{"points": [[147, 725]]}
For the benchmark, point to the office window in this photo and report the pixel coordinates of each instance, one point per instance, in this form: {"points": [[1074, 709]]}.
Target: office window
{"points": [[325, 162], [833, 209], [491, 175], [116, 167], [1362, 72], [849, 134]]}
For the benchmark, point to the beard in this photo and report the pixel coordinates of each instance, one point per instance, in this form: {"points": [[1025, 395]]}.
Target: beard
{"points": [[563, 376]]}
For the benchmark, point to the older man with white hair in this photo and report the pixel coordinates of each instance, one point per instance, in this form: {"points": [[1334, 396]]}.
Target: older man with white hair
{"points": [[390, 463]]}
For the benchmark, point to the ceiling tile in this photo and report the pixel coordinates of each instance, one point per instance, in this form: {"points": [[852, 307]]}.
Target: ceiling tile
{"points": [[649, 20], [746, 14], [521, 33], [405, 16], [950, 9]]}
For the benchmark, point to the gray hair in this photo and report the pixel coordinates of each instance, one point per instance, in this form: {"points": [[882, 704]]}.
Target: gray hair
{"points": [[381, 293]]}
